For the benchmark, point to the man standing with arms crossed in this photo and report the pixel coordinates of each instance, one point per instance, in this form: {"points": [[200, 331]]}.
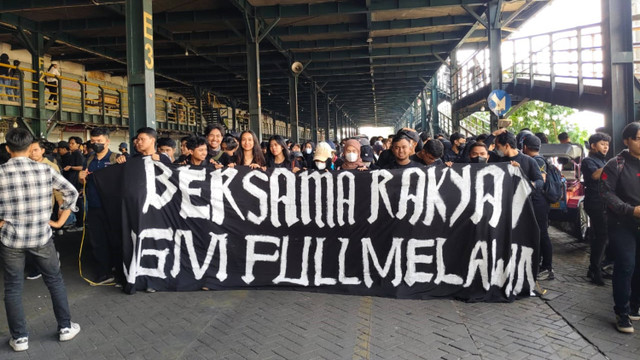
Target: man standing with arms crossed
{"points": [[25, 209]]}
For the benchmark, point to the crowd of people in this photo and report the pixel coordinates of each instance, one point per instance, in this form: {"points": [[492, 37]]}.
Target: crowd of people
{"points": [[68, 167]]}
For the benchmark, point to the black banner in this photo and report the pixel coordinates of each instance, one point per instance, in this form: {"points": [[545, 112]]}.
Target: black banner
{"points": [[467, 232]]}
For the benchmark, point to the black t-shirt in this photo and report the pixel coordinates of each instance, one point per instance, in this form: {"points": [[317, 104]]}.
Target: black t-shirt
{"points": [[589, 165], [385, 159], [182, 158], [411, 164], [74, 158], [223, 160], [450, 155], [287, 164], [531, 170]]}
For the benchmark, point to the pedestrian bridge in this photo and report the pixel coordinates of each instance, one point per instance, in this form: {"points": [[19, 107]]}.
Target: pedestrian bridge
{"points": [[562, 68]]}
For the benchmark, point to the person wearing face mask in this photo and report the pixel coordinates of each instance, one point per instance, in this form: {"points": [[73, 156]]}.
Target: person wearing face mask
{"points": [[478, 153], [308, 150], [591, 168], [351, 158], [321, 158], [452, 154], [106, 248]]}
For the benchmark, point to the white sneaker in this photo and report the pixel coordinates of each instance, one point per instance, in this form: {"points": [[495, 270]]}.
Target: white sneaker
{"points": [[19, 344], [69, 333]]}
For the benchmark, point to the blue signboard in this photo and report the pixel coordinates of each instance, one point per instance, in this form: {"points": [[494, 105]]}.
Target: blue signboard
{"points": [[499, 102]]}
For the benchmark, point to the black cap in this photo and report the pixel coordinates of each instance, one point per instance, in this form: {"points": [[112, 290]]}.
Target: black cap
{"points": [[413, 135], [366, 153], [532, 142]]}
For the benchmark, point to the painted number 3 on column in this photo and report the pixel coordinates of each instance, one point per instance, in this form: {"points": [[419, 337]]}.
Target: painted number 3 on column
{"points": [[148, 61]]}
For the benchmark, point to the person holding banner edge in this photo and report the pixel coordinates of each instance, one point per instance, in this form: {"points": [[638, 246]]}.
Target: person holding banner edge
{"points": [[507, 149], [104, 246]]}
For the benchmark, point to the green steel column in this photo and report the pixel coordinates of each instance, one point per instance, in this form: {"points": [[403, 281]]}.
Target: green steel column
{"points": [[423, 112], [274, 123], [495, 57], [453, 68], [335, 125], [435, 118], [416, 108], [39, 124], [234, 121], [293, 109], [313, 91], [199, 122], [140, 65], [328, 120], [253, 78], [617, 84]]}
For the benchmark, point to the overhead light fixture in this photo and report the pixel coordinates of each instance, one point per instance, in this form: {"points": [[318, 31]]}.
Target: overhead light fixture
{"points": [[369, 40], [186, 52]]}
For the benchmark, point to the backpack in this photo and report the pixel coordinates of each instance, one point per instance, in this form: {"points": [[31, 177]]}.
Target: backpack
{"points": [[554, 188]]}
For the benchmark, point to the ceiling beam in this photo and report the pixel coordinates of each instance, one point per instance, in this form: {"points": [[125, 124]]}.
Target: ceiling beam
{"points": [[8, 6], [349, 7]]}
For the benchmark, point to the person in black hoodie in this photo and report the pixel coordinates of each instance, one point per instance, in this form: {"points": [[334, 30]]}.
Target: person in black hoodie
{"points": [[591, 168], [308, 149], [507, 149], [620, 191]]}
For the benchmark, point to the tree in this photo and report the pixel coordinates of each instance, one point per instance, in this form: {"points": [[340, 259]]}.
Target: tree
{"points": [[550, 119]]}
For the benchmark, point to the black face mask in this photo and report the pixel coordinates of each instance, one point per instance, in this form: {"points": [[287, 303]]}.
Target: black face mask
{"points": [[478, 160], [98, 148]]}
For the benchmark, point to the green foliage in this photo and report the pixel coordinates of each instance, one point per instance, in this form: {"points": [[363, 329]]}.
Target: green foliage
{"points": [[550, 119]]}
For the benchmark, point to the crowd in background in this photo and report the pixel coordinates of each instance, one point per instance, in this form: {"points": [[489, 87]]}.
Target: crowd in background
{"points": [[216, 148]]}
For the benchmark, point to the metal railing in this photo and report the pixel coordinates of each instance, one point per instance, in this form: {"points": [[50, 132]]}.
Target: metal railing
{"points": [[64, 93], [572, 56], [475, 124]]}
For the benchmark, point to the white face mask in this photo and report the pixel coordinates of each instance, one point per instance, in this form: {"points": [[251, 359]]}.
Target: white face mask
{"points": [[307, 150], [351, 157], [321, 165]]}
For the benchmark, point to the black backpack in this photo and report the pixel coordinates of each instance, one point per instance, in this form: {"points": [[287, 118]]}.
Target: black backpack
{"points": [[554, 188]]}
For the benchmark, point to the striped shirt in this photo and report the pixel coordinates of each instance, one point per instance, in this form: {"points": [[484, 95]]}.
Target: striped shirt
{"points": [[25, 201]]}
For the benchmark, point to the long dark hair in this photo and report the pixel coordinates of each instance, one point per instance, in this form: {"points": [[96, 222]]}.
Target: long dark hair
{"points": [[271, 159], [258, 157]]}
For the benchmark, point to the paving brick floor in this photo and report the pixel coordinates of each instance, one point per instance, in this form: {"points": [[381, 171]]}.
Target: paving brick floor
{"points": [[572, 321]]}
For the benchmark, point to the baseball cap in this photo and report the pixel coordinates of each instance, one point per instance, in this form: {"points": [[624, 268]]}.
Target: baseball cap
{"points": [[532, 142], [413, 135], [322, 152], [366, 153]]}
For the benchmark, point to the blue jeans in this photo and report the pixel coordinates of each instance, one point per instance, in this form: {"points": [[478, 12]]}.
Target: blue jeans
{"points": [[625, 238], [4, 89], [47, 260]]}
